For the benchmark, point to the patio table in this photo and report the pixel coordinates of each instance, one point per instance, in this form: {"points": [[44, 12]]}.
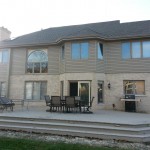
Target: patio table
{"points": [[77, 101]]}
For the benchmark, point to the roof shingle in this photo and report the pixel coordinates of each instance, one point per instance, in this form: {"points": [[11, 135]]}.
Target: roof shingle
{"points": [[113, 30]]}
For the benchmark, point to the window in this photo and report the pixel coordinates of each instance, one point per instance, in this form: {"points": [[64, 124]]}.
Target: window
{"points": [[37, 62], [2, 88], [84, 51], [61, 88], [126, 50], [136, 50], [136, 87], [35, 90], [63, 52], [100, 91], [80, 51], [100, 51], [146, 49], [4, 56]]}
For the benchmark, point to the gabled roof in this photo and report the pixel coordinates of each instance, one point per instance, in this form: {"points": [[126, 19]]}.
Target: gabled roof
{"points": [[112, 30]]}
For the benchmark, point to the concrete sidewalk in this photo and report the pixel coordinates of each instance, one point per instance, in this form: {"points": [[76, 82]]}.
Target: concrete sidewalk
{"points": [[105, 116]]}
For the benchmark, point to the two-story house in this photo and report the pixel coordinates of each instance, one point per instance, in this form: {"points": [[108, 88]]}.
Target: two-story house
{"points": [[106, 60]]}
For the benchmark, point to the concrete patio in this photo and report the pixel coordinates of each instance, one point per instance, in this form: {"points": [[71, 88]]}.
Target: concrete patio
{"points": [[102, 124], [106, 116]]}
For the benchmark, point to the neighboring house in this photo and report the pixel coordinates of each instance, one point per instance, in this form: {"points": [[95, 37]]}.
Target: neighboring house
{"points": [[106, 60]]}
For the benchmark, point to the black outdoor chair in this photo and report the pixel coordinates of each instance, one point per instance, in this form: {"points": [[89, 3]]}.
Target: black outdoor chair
{"points": [[6, 103], [56, 104], [87, 106], [48, 101], [70, 104]]}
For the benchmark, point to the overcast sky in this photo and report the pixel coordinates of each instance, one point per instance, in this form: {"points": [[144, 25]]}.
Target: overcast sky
{"points": [[26, 16]]}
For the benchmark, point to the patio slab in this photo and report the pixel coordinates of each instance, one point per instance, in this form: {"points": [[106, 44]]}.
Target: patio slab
{"points": [[106, 116]]}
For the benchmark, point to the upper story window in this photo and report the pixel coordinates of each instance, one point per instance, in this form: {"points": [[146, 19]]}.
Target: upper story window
{"points": [[126, 50], [146, 49], [100, 51], [3, 56], [37, 61], [80, 51], [63, 52], [136, 50]]}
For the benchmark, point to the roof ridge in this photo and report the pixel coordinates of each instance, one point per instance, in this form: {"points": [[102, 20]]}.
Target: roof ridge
{"points": [[112, 30], [82, 24], [68, 26]]}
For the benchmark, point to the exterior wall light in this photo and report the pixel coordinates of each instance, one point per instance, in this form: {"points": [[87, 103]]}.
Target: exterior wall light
{"points": [[109, 85]]}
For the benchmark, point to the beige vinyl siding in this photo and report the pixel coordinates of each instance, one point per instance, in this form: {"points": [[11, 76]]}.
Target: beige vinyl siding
{"points": [[100, 63], [100, 66], [87, 65], [53, 59], [18, 61], [115, 63], [62, 66], [62, 62]]}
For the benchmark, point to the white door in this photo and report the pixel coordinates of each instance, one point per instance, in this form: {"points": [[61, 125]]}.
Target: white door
{"points": [[84, 90]]}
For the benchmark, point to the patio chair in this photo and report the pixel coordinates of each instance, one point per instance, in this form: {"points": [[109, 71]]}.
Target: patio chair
{"points": [[55, 103], [71, 104], [48, 101], [63, 101], [6, 103], [88, 106]]}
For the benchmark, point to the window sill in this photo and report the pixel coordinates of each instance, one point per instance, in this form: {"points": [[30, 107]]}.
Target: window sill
{"points": [[80, 59], [36, 73], [101, 103], [140, 95]]}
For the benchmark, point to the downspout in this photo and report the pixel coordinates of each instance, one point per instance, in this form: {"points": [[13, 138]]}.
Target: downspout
{"points": [[8, 73]]}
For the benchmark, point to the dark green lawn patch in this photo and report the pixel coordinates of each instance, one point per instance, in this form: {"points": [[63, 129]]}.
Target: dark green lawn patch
{"points": [[26, 144]]}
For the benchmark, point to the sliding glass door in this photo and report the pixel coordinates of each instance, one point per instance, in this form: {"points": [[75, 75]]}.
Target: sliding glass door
{"points": [[84, 90]]}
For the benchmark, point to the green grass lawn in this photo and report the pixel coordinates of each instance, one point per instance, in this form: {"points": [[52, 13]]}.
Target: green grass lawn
{"points": [[26, 144]]}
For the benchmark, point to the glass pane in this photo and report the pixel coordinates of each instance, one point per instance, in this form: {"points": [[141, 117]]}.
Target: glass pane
{"points": [[126, 50], [29, 67], [136, 50], [5, 56], [29, 90], [43, 89], [139, 87], [37, 56], [36, 67], [84, 92], [3, 89], [61, 88], [84, 51], [129, 87], [100, 51], [36, 90], [100, 91], [0, 56], [44, 67], [146, 49], [75, 51]]}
